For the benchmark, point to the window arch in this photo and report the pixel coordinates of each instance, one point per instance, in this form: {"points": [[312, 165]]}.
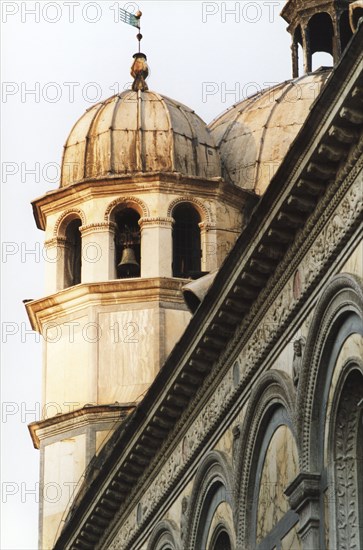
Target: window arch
{"points": [[211, 498], [321, 33], [72, 253], [165, 536], [127, 242], [186, 241], [268, 426], [221, 540]]}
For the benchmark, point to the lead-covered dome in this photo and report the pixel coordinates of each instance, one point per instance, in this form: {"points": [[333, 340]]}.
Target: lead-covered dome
{"points": [[254, 135], [135, 132]]}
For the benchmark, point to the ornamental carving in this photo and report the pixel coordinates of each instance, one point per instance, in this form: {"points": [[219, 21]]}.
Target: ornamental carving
{"points": [[129, 202], [97, 228], [68, 215], [203, 211], [345, 466]]}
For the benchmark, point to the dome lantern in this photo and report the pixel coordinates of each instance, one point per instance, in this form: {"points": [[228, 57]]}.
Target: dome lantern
{"points": [[317, 26]]}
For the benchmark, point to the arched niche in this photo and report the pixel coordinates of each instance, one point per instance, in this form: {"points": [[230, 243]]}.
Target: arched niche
{"points": [[275, 467], [72, 253], [211, 497], [165, 536], [127, 242], [337, 322], [267, 462]]}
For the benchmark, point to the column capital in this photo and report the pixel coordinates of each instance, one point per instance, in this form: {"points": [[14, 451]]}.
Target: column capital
{"points": [[156, 221], [97, 228], [304, 498]]}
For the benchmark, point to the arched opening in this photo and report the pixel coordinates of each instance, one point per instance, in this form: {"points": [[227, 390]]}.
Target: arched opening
{"points": [[186, 242], [321, 33], [345, 30], [222, 542], [127, 243], [73, 254]]}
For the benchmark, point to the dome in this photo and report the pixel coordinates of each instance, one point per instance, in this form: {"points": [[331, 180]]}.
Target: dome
{"points": [[254, 135], [135, 132]]}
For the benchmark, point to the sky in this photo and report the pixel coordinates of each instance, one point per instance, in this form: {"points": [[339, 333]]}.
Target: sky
{"points": [[57, 59]]}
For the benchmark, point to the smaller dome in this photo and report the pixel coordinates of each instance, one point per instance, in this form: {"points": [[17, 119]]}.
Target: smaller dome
{"points": [[254, 135], [135, 132]]}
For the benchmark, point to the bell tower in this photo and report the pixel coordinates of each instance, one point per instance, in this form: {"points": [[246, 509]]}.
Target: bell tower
{"points": [[317, 26], [141, 209]]}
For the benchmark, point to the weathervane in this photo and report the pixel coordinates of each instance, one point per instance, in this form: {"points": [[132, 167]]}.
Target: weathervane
{"points": [[139, 69]]}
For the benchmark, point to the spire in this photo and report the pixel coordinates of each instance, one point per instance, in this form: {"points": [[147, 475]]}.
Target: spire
{"points": [[317, 26]]}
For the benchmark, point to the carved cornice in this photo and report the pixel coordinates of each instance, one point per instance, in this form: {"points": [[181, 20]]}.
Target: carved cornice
{"points": [[125, 291], [63, 423]]}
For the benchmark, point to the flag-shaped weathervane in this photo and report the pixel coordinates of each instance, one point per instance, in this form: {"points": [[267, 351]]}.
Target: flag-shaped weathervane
{"points": [[132, 19]]}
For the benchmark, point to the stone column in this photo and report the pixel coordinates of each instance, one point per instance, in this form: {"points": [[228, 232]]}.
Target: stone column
{"points": [[307, 50], [336, 46], [98, 252], [295, 58], [304, 498], [156, 247], [209, 244]]}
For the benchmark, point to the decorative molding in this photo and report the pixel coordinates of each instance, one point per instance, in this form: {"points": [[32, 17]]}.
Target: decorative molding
{"points": [[55, 241], [215, 468], [346, 456], [165, 535], [207, 226], [304, 498], [274, 389], [128, 202], [202, 209], [71, 214], [156, 221], [98, 228]]}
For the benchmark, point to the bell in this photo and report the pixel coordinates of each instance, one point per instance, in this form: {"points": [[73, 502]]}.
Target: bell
{"points": [[128, 265]]}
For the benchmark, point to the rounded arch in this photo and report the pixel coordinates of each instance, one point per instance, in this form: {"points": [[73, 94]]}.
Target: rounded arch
{"points": [[126, 202], [65, 218], [165, 536], [321, 32], [212, 486], [203, 211], [221, 538], [274, 392], [338, 314]]}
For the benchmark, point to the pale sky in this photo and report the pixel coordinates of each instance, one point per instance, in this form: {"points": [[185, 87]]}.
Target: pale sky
{"points": [[57, 59]]}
